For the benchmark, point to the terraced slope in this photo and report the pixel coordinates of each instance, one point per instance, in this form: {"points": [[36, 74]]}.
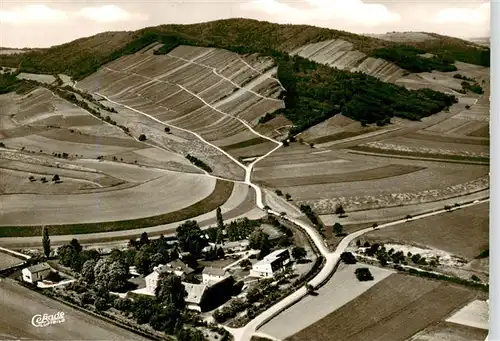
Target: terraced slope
{"points": [[211, 92], [342, 55]]}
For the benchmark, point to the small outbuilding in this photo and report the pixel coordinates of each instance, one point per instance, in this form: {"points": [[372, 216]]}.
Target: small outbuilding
{"points": [[36, 272]]}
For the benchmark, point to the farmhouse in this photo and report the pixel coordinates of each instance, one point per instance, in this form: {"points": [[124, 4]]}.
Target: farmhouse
{"points": [[176, 267], [196, 295], [212, 276], [36, 272], [271, 264]]}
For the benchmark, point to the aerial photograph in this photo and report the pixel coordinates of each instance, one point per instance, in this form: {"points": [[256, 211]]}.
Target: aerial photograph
{"points": [[245, 170]]}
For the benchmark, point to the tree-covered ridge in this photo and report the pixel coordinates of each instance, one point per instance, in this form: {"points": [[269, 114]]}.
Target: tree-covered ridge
{"points": [[84, 56], [408, 58], [315, 92], [461, 50]]}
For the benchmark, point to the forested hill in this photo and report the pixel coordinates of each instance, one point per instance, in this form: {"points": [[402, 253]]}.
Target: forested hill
{"points": [[314, 92], [83, 56]]}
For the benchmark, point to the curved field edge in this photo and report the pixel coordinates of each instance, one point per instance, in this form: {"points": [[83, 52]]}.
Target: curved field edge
{"points": [[220, 194]]}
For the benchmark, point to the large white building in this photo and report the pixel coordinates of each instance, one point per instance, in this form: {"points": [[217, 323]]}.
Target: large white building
{"points": [[177, 267], [213, 276], [36, 272], [271, 264]]}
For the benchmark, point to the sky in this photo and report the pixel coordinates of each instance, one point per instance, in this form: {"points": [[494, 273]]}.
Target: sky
{"points": [[52, 22]]}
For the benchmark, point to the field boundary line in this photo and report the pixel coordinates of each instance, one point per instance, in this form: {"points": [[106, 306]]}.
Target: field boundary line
{"points": [[409, 157]]}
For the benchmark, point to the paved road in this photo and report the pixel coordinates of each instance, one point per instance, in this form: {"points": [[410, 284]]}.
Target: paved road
{"points": [[18, 305]]}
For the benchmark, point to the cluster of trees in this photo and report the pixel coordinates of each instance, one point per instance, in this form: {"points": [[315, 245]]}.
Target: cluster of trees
{"points": [[191, 238], [259, 240], [348, 258], [279, 193], [384, 256], [462, 77], [73, 256], [267, 117], [407, 57], [307, 210], [241, 228], [145, 254], [197, 162], [475, 88]]}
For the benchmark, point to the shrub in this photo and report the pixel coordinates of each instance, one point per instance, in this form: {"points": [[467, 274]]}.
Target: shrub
{"points": [[363, 274]]}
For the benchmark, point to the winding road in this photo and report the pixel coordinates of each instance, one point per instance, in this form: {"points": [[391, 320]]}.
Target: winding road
{"points": [[331, 258]]}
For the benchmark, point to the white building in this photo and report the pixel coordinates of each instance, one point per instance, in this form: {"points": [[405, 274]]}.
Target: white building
{"points": [[36, 272], [177, 267], [213, 276], [271, 264]]}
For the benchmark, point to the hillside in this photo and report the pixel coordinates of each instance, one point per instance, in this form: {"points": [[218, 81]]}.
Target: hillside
{"points": [[313, 92], [83, 56]]}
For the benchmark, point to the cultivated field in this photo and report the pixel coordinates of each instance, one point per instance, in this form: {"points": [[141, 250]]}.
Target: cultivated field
{"points": [[19, 305], [7, 260], [362, 182], [446, 331], [475, 314], [393, 309], [101, 168], [162, 195], [342, 288], [342, 55], [463, 232]]}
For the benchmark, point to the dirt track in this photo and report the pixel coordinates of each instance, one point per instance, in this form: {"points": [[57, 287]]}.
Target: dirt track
{"points": [[19, 304]]}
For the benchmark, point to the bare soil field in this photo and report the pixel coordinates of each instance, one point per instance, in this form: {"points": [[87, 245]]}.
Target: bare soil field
{"points": [[7, 260], [475, 314], [446, 331], [340, 289], [464, 232], [20, 304], [393, 309]]}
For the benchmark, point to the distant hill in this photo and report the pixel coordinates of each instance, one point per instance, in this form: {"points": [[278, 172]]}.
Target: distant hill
{"points": [[84, 56]]}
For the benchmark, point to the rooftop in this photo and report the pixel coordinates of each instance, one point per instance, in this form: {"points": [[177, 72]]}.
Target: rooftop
{"points": [[194, 292], [39, 267], [175, 265]]}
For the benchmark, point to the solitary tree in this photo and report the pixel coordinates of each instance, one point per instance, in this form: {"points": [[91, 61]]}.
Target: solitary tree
{"points": [[279, 193], [56, 178], [167, 130], [142, 137], [337, 229], [220, 221], [46, 241], [299, 253], [288, 196], [339, 209]]}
